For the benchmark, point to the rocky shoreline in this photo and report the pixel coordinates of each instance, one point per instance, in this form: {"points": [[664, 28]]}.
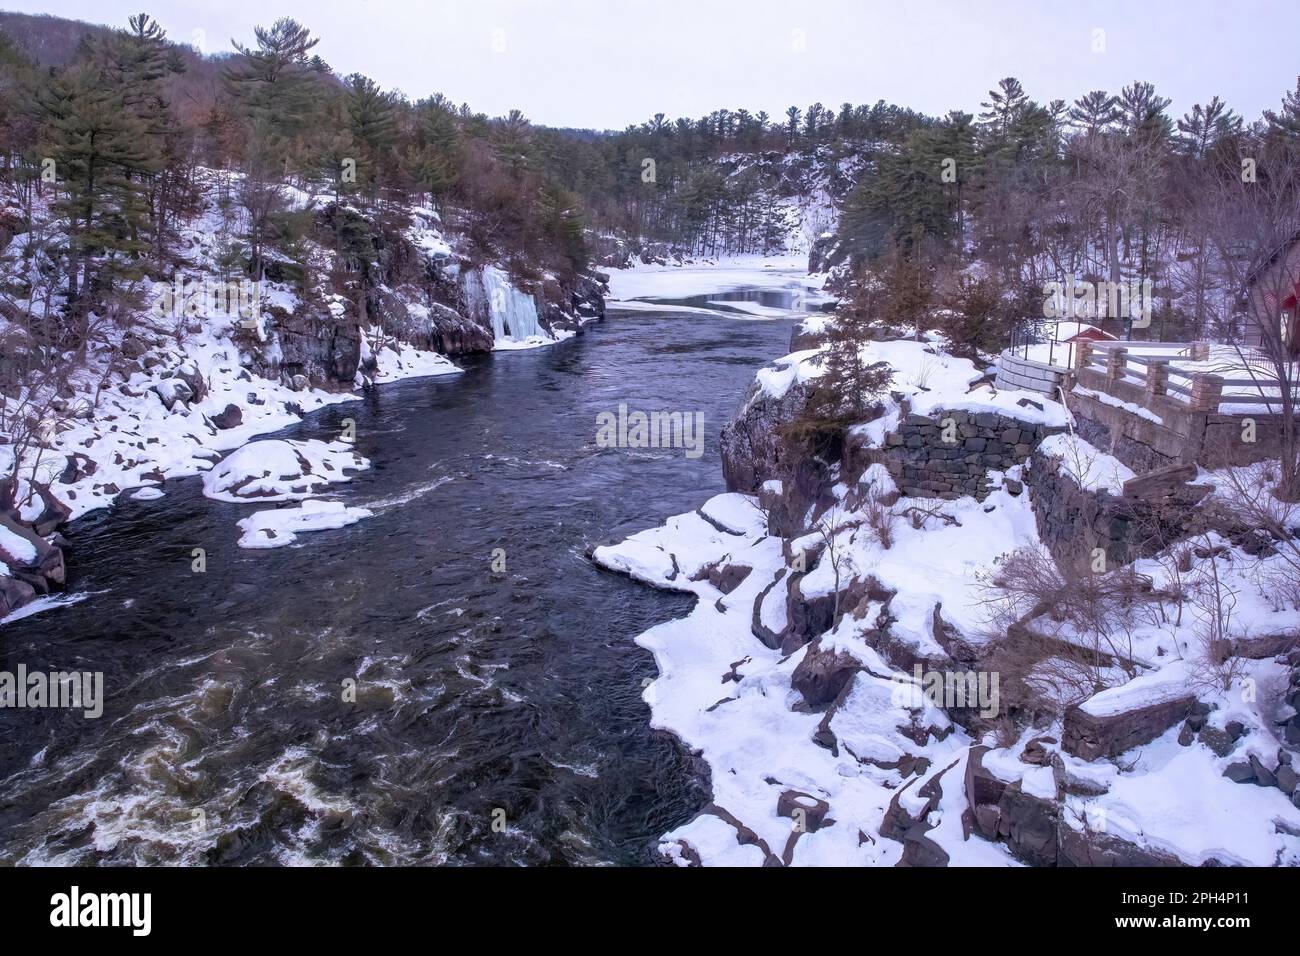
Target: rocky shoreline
{"points": [[825, 589], [179, 398]]}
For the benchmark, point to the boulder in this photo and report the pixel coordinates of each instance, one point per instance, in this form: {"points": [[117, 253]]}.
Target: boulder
{"points": [[172, 392], [1217, 740], [231, 417], [920, 850], [1117, 720], [821, 675], [14, 594], [753, 448], [1240, 772], [1286, 779], [804, 809], [189, 374]]}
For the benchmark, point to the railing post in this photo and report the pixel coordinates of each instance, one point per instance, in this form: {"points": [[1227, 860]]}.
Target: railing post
{"points": [[1157, 378], [1200, 351], [1084, 355], [1116, 364], [1207, 392]]}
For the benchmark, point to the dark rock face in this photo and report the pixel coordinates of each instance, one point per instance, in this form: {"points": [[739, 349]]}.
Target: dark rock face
{"points": [[1033, 829], [807, 811], [1090, 848], [821, 675], [14, 594], [812, 616], [324, 349], [753, 450], [822, 254], [925, 463], [1072, 522], [570, 308], [1091, 737], [724, 576], [801, 340], [231, 417], [32, 577]]}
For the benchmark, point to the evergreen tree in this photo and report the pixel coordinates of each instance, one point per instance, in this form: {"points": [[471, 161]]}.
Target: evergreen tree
{"points": [[102, 152]]}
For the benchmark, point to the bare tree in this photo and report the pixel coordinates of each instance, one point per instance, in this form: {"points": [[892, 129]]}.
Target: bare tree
{"points": [[1256, 209]]}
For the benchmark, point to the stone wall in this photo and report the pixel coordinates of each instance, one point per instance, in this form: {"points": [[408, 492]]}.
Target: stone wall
{"points": [[1015, 372], [926, 465], [1072, 521], [1170, 432]]}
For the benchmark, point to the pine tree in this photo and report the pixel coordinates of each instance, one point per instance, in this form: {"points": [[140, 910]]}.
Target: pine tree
{"points": [[372, 122], [273, 83], [1004, 106], [102, 153], [1094, 112], [848, 388], [1285, 122], [1204, 126]]}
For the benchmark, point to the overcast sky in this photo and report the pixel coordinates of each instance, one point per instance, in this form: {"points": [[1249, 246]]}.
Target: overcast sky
{"points": [[608, 63]]}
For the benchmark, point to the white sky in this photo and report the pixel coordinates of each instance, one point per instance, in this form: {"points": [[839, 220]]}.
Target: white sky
{"points": [[608, 63]]}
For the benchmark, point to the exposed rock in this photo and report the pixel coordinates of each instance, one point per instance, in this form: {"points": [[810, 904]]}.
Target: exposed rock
{"points": [[1090, 848], [1036, 753], [193, 378], [753, 449], [1217, 740], [78, 466], [821, 675], [920, 850], [1075, 783], [14, 594], [724, 576], [1263, 776], [1162, 483], [804, 809], [1091, 737], [231, 417], [172, 391], [1286, 779], [1240, 772], [36, 569]]}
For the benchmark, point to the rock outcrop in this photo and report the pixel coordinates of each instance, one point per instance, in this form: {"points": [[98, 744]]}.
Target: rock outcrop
{"points": [[753, 447]]}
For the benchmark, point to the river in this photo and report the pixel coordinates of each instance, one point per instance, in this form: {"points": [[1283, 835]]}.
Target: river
{"points": [[498, 716]]}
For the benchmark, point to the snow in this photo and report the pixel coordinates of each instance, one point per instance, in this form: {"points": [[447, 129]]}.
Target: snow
{"points": [[778, 378], [928, 377], [281, 470], [16, 546], [755, 743], [1091, 468], [280, 527], [709, 277], [1167, 684], [1114, 402], [1177, 800]]}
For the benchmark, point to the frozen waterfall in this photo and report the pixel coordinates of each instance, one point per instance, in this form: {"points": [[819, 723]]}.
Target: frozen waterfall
{"points": [[513, 313]]}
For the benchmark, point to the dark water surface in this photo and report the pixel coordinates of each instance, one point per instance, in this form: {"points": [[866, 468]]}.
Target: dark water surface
{"points": [[477, 692]]}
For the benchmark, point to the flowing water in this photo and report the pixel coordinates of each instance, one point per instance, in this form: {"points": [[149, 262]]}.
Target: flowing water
{"points": [[498, 717]]}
